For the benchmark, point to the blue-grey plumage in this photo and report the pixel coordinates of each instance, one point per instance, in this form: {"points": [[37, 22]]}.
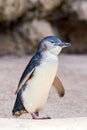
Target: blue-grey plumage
{"points": [[38, 77]]}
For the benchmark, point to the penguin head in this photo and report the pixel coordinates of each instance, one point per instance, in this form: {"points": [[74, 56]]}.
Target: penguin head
{"points": [[52, 44]]}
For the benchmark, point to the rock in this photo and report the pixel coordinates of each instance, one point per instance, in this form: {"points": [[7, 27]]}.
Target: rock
{"points": [[24, 38], [12, 9], [40, 29], [80, 8], [49, 5], [28, 35], [77, 7], [31, 20]]}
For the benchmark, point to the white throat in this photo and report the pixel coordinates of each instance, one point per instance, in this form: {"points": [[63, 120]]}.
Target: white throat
{"points": [[55, 50]]}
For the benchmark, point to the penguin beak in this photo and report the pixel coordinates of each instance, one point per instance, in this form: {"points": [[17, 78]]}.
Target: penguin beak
{"points": [[65, 44]]}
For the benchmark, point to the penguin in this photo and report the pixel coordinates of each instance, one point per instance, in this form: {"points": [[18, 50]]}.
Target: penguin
{"points": [[38, 77]]}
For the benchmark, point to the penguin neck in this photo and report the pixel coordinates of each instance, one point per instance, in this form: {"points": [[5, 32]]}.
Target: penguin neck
{"points": [[48, 54], [49, 57]]}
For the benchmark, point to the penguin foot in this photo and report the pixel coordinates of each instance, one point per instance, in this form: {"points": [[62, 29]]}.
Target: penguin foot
{"points": [[37, 113], [18, 113], [34, 116]]}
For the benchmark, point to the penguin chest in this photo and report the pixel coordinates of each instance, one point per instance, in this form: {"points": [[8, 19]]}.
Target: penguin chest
{"points": [[38, 87]]}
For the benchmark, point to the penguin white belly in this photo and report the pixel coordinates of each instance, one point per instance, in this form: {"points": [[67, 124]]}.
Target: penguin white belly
{"points": [[36, 92]]}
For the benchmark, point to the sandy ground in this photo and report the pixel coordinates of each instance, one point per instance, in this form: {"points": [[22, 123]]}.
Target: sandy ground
{"points": [[72, 72]]}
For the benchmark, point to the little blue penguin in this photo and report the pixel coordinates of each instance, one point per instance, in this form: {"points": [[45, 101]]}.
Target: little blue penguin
{"points": [[38, 77]]}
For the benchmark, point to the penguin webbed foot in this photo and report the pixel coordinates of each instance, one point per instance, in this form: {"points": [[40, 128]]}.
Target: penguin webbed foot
{"points": [[35, 116], [18, 113]]}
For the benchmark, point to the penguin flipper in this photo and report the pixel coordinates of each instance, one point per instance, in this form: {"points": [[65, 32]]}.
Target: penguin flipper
{"points": [[26, 78], [59, 87], [27, 74]]}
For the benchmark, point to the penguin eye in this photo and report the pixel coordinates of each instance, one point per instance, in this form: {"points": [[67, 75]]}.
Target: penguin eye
{"points": [[52, 41]]}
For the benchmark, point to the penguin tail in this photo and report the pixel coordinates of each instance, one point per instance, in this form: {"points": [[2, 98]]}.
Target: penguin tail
{"points": [[18, 108]]}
